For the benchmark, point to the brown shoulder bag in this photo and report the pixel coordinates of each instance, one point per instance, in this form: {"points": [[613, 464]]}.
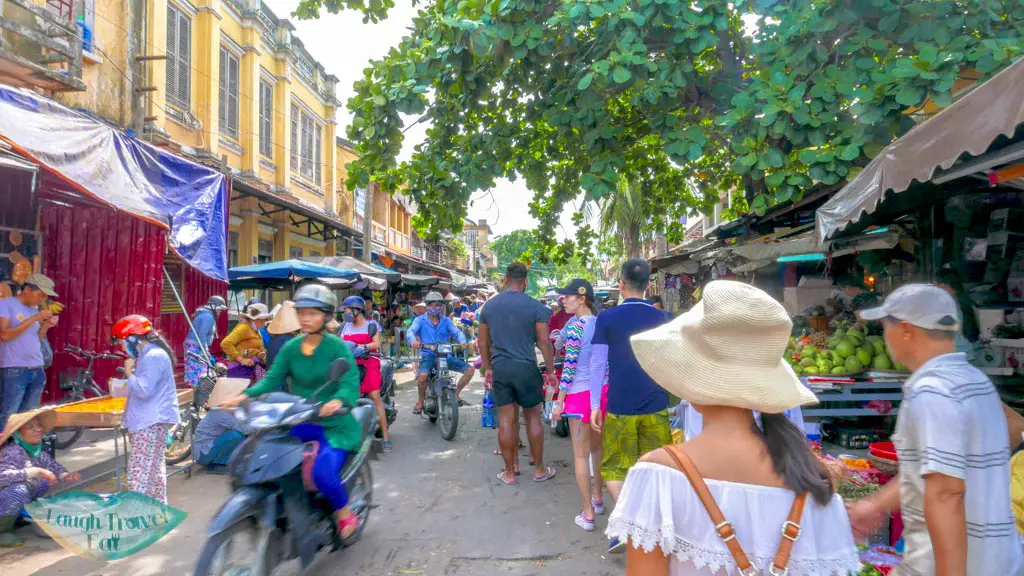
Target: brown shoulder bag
{"points": [[790, 528]]}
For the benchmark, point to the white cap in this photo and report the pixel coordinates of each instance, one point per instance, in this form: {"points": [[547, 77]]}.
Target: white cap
{"points": [[923, 305]]}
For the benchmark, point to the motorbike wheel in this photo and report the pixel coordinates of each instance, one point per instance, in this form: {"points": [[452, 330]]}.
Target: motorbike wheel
{"points": [[361, 497], [64, 438], [241, 549], [448, 406], [181, 438]]}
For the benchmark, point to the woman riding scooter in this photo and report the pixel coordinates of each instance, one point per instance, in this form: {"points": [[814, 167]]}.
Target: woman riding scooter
{"points": [[307, 361], [365, 333]]}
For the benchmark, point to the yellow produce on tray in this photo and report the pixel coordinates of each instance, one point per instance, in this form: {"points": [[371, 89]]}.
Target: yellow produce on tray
{"points": [[105, 405]]}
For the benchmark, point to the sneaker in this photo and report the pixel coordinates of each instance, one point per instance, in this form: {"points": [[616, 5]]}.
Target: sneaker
{"points": [[584, 523], [616, 546], [598, 506]]}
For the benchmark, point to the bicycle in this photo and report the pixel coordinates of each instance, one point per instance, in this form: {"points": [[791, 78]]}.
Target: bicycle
{"points": [[179, 446], [81, 387]]}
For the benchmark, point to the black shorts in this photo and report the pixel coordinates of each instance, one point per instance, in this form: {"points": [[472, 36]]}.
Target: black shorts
{"points": [[517, 382]]}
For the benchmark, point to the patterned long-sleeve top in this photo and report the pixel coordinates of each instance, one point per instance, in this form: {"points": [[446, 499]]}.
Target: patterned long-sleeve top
{"points": [[576, 368], [15, 462]]}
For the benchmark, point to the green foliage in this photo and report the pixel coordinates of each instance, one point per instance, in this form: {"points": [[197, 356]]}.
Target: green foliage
{"points": [[677, 98], [457, 249]]}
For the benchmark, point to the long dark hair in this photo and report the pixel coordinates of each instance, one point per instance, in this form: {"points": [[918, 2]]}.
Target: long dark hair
{"points": [[952, 278], [793, 461], [157, 338]]}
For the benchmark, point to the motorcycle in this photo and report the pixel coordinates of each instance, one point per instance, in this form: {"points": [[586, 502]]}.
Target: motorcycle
{"points": [[387, 387], [270, 513], [441, 401]]}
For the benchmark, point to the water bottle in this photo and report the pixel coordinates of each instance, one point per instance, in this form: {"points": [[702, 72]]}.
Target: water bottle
{"points": [[487, 416]]}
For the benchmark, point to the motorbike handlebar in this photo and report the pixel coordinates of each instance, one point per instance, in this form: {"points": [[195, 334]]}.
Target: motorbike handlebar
{"points": [[90, 355]]}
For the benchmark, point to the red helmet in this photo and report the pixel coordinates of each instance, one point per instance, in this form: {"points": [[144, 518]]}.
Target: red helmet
{"points": [[131, 325]]}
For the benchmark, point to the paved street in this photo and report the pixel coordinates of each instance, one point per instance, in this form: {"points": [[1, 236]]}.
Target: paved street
{"points": [[442, 512]]}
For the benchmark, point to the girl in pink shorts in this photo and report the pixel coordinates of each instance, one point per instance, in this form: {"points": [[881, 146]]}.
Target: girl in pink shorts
{"points": [[574, 401]]}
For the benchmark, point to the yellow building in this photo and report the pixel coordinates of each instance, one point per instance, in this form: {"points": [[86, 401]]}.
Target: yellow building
{"points": [[225, 83]]}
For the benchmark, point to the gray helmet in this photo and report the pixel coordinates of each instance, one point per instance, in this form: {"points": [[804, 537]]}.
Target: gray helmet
{"points": [[316, 296], [216, 303], [434, 297]]}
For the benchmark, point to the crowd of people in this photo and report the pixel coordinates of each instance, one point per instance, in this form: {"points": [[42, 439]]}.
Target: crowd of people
{"points": [[745, 491]]}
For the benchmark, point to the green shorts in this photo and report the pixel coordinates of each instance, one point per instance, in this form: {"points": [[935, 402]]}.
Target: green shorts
{"points": [[627, 438]]}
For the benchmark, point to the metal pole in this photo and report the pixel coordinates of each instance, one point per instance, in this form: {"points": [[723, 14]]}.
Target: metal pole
{"points": [[167, 276]]}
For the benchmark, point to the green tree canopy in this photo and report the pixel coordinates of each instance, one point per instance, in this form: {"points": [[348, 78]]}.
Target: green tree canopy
{"points": [[772, 97]]}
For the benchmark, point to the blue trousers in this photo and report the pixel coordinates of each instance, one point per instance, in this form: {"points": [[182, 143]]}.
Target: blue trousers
{"points": [[20, 391], [327, 468], [222, 449]]}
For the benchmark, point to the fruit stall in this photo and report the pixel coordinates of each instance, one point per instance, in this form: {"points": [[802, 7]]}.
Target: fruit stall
{"points": [[106, 413]]}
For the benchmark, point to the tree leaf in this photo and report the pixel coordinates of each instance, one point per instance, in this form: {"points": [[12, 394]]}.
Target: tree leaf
{"points": [[909, 95], [585, 81], [621, 75], [850, 152]]}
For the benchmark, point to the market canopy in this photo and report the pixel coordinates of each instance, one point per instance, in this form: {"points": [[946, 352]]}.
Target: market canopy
{"points": [[363, 268], [418, 280], [118, 170], [970, 126], [284, 272]]}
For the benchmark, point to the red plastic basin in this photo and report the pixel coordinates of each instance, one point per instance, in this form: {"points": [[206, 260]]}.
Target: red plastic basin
{"points": [[884, 450]]}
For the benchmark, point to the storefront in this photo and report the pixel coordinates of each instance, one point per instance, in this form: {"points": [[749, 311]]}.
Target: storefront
{"points": [[104, 215]]}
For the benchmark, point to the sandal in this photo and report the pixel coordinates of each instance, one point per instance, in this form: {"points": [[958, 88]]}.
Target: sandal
{"points": [[387, 445], [501, 478], [349, 523], [417, 409], [463, 403], [550, 474]]}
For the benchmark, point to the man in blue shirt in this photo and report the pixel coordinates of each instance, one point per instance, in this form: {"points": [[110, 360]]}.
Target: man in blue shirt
{"points": [[434, 328], [198, 341], [637, 420]]}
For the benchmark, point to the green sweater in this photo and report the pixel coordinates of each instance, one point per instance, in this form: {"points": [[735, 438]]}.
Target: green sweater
{"points": [[309, 373]]}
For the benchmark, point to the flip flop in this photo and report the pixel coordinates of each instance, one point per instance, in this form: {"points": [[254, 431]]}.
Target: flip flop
{"points": [[417, 411], [501, 478], [550, 474], [463, 402], [387, 445]]}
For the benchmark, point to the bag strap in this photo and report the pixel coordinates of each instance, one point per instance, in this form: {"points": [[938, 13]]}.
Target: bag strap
{"points": [[790, 529]]}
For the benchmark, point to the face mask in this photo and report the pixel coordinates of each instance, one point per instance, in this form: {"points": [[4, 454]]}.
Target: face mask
{"points": [[434, 311], [348, 317]]}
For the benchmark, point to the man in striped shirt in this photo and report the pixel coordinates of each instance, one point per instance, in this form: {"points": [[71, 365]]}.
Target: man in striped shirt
{"points": [[951, 438]]}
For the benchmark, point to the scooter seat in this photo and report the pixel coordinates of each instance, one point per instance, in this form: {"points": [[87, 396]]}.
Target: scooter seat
{"points": [[364, 415]]}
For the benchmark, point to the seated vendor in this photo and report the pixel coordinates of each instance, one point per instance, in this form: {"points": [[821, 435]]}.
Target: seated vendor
{"points": [[26, 471], [216, 438]]}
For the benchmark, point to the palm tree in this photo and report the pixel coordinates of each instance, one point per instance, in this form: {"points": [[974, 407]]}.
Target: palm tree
{"points": [[622, 216]]}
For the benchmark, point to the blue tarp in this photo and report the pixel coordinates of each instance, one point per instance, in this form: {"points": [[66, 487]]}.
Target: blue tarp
{"points": [[188, 199], [288, 269]]}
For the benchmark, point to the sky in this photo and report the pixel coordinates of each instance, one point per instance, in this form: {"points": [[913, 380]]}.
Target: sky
{"points": [[344, 46]]}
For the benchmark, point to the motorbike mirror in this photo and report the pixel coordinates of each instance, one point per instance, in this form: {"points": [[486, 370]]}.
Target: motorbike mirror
{"points": [[221, 369], [338, 369]]}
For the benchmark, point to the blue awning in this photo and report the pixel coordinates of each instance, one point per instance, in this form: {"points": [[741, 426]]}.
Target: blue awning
{"points": [[112, 167], [290, 270]]}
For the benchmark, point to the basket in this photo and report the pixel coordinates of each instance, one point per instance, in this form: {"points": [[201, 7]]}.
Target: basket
{"points": [[884, 465]]}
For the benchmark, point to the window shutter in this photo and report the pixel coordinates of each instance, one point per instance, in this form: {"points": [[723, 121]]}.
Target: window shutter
{"points": [[172, 54], [233, 95], [222, 101], [295, 138], [184, 53], [317, 167], [267, 119]]}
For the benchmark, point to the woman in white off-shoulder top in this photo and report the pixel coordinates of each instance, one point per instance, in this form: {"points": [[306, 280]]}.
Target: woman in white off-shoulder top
{"points": [[725, 357]]}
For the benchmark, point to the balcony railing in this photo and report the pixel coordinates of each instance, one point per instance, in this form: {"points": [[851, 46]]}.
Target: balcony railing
{"points": [[38, 49]]}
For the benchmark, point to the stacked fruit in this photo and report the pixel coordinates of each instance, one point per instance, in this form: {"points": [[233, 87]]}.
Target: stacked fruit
{"points": [[848, 351]]}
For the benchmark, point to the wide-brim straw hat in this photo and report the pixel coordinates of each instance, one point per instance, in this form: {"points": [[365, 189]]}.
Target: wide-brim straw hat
{"points": [[46, 416], [726, 351], [286, 319], [256, 312]]}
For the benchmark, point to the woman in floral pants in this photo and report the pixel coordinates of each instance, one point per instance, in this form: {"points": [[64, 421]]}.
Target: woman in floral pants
{"points": [[152, 407]]}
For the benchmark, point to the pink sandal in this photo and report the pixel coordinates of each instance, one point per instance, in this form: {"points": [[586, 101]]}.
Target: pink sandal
{"points": [[350, 520]]}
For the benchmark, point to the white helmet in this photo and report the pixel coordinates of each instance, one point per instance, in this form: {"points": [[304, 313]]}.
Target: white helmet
{"points": [[434, 297]]}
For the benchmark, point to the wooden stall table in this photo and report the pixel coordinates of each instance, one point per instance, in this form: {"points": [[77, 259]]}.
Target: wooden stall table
{"points": [[107, 413]]}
